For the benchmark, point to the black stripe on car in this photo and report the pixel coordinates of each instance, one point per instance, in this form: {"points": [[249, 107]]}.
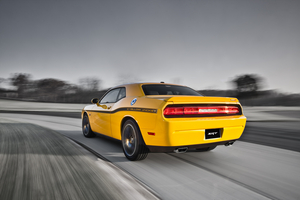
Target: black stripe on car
{"points": [[147, 110]]}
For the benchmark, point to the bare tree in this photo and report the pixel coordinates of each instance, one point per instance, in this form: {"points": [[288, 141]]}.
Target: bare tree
{"points": [[90, 83], [21, 81], [50, 89], [247, 84], [50, 85], [2, 80]]}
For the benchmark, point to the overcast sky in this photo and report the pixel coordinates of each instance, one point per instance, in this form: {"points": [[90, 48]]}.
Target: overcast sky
{"points": [[200, 43]]}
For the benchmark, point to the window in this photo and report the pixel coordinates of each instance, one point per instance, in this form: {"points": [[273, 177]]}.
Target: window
{"points": [[169, 90], [114, 95], [122, 94], [111, 96]]}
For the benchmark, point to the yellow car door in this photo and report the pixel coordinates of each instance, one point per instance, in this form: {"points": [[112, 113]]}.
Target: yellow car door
{"points": [[102, 112]]}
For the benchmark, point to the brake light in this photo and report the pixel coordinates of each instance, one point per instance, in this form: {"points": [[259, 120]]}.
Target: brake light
{"points": [[201, 110], [173, 111]]}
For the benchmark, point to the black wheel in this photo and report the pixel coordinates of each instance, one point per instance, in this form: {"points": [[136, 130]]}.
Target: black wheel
{"points": [[86, 128], [133, 144], [206, 149]]}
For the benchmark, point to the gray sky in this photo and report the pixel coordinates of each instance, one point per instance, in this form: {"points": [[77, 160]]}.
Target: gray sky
{"points": [[200, 43]]}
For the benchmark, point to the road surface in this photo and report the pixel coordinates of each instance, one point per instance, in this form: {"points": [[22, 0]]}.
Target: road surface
{"points": [[39, 163], [243, 171]]}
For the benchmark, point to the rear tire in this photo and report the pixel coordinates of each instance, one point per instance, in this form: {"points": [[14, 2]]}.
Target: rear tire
{"points": [[206, 149], [86, 127], [133, 144]]}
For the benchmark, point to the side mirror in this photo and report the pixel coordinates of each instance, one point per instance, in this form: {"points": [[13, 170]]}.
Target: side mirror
{"points": [[95, 101]]}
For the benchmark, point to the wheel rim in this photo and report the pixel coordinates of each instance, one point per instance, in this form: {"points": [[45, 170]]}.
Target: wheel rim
{"points": [[85, 125], [129, 140]]}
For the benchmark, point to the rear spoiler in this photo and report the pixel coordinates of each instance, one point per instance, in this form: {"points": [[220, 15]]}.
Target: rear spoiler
{"points": [[201, 99]]}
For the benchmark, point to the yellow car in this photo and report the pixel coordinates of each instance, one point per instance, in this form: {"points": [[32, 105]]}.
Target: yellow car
{"points": [[160, 117]]}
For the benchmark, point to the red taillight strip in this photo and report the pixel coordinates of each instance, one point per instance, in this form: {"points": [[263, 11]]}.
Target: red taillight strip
{"points": [[201, 110], [173, 111]]}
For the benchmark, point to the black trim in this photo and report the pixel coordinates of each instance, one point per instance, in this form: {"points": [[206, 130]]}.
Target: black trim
{"points": [[168, 149], [147, 110]]}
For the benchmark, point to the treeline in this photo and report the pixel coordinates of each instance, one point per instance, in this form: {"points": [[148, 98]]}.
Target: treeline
{"points": [[52, 90], [261, 98], [247, 88]]}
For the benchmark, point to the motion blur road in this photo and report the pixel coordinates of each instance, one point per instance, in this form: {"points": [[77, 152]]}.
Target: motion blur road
{"points": [[39, 163], [268, 170]]}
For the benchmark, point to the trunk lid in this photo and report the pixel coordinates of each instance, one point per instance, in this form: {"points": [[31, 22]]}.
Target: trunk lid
{"points": [[195, 99]]}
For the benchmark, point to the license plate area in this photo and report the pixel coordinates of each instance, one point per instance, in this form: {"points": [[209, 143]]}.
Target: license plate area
{"points": [[212, 133]]}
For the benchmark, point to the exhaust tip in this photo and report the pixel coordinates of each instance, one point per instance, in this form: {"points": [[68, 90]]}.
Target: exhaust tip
{"points": [[229, 143], [181, 150]]}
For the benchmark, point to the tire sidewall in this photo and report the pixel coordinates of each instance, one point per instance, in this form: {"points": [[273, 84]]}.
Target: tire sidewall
{"points": [[138, 138], [89, 132]]}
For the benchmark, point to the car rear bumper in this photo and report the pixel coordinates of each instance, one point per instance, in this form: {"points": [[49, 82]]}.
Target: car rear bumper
{"points": [[177, 132]]}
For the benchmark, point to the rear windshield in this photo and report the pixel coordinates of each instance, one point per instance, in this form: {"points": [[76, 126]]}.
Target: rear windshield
{"points": [[168, 90]]}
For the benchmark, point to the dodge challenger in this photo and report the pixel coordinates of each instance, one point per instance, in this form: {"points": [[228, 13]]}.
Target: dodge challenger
{"points": [[160, 117]]}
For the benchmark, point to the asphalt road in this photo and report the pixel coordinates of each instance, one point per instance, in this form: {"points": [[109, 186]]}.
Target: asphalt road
{"points": [[285, 135], [39, 163], [280, 134], [243, 171]]}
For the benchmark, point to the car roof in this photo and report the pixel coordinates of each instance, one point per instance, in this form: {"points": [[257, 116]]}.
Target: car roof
{"points": [[147, 83], [135, 89]]}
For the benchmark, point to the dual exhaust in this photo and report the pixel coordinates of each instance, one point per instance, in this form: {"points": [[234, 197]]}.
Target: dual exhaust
{"points": [[181, 150], [229, 143], [184, 149]]}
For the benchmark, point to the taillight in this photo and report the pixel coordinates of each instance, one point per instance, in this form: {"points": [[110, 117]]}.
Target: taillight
{"points": [[201, 110], [173, 111]]}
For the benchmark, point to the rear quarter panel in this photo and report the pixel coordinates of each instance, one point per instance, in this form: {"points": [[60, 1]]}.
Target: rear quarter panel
{"points": [[144, 112]]}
